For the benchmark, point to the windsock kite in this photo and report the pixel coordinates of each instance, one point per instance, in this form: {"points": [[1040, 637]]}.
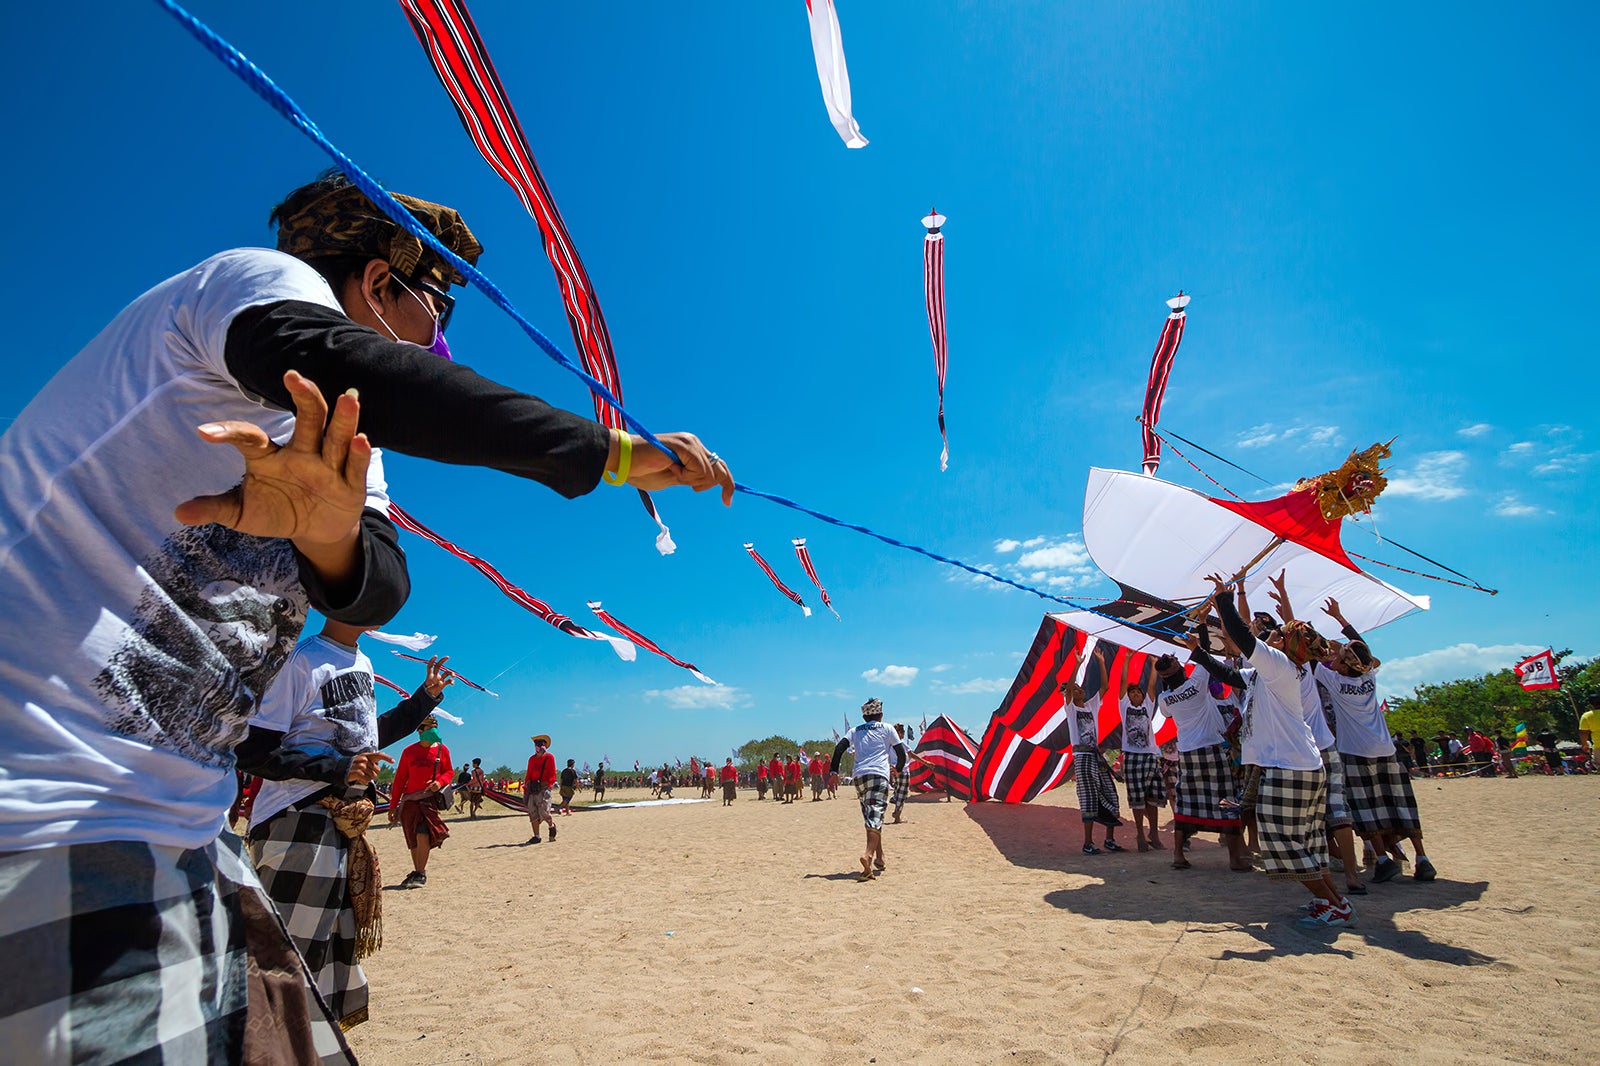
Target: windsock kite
{"points": [[933, 286], [827, 44], [804, 555], [766, 568], [1156, 388]]}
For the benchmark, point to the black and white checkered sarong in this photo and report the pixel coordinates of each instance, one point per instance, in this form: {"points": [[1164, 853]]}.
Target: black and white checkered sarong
{"points": [[899, 785], [1290, 810], [1097, 789], [1337, 812], [303, 862], [1379, 794], [873, 792], [1141, 776], [150, 954], [1205, 779]]}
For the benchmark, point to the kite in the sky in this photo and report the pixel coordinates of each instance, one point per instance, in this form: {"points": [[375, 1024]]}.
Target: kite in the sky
{"points": [[933, 291], [625, 651], [804, 555], [1161, 540], [450, 38], [454, 674], [643, 641], [777, 584], [1156, 387], [827, 44]]}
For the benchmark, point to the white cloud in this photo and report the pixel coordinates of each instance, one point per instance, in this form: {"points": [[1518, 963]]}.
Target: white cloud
{"points": [[995, 685], [1436, 476], [1477, 429], [1448, 664], [1521, 448], [700, 697], [1257, 436], [1324, 435], [1309, 436], [1556, 455], [1055, 563], [1033, 542], [1004, 546], [891, 676], [941, 668], [1063, 555], [1511, 506]]}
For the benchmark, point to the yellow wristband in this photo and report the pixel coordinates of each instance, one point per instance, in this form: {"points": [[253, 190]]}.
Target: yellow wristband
{"points": [[624, 459]]}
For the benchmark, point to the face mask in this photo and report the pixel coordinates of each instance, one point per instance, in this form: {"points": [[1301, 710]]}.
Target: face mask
{"points": [[437, 346], [429, 736]]}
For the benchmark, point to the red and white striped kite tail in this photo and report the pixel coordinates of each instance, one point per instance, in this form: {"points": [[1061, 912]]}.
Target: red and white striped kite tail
{"points": [[625, 651], [643, 641], [804, 555], [386, 683], [1156, 388], [779, 585], [933, 286], [465, 681], [450, 38]]}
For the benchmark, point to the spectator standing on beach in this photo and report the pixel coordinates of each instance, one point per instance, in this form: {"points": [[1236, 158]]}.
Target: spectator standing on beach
{"points": [[775, 777], [599, 782], [899, 780], [817, 771], [476, 784], [1481, 750], [1419, 754], [730, 782], [569, 786], [761, 780], [1589, 731], [878, 750], [1507, 759], [537, 782], [423, 772], [792, 771]]}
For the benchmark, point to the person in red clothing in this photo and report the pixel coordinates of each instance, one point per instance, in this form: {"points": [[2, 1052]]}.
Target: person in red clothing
{"points": [[730, 782], [536, 786], [792, 771], [817, 770], [775, 776], [761, 780], [424, 769]]}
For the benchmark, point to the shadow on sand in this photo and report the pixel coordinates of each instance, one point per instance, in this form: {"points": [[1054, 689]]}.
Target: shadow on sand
{"points": [[1050, 838]]}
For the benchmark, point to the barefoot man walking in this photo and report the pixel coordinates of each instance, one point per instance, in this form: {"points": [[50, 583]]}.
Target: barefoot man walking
{"points": [[872, 742]]}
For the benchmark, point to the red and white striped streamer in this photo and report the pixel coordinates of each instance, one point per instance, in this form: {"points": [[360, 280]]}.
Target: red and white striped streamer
{"points": [[779, 585], [1155, 388], [386, 683], [452, 673], [450, 38], [625, 651], [933, 286], [643, 641], [804, 555]]}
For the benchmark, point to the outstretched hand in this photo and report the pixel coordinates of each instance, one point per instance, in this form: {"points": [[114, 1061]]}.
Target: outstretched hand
{"points": [[1331, 609], [438, 676], [311, 490], [1279, 595], [696, 467]]}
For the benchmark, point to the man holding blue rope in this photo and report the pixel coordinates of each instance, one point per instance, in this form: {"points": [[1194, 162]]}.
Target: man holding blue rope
{"points": [[149, 606]]}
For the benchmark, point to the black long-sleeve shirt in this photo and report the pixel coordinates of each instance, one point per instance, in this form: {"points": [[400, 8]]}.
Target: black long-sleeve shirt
{"points": [[262, 752]]}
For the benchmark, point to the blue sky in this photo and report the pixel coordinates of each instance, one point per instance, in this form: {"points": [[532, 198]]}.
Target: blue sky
{"points": [[1387, 218]]}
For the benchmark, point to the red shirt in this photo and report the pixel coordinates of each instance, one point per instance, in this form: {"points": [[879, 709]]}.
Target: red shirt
{"points": [[761, 771], [792, 771], [730, 773], [775, 768], [419, 765], [818, 767], [541, 770]]}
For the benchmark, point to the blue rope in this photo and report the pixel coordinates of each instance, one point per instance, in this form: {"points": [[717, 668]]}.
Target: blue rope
{"points": [[280, 102]]}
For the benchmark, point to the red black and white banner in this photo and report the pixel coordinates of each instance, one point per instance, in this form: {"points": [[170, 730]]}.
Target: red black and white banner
{"points": [[450, 38], [1538, 672], [1026, 749], [1155, 388], [766, 568], [943, 759], [933, 292], [804, 555], [625, 651], [643, 641], [827, 47]]}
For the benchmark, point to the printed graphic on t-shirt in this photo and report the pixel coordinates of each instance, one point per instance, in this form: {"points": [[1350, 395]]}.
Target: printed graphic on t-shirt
{"points": [[1087, 730], [1136, 728], [350, 707], [221, 615]]}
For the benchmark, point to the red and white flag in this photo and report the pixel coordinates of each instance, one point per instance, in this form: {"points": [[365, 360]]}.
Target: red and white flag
{"points": [[643, 641], [766, 568], [804, 555], [827, 44], [1155, 388], [1538, 672], [933, 293]]}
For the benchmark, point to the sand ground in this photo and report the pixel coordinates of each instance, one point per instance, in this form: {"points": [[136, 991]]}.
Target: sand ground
{"points": [[697, 933]]}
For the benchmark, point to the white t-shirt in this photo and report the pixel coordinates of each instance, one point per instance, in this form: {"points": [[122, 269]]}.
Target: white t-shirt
{"points": [[1083, 725], [1363, 730], [1193, 709], [133, 649], [1311, 703], [872, 742], [322, 701], [1138, 730], [1275, 732]]}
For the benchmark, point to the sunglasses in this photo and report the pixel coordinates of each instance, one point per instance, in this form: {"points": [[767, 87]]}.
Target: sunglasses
{"points": [[443, 300]]}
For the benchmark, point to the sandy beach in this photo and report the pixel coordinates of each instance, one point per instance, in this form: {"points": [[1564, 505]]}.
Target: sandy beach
{"points": [[694, 933]]}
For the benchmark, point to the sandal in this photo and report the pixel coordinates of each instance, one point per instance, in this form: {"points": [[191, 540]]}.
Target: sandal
{"points": [[1090, 849]]}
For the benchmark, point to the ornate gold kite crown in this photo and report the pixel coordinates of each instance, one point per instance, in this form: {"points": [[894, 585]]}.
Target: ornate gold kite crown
{"points": [[1353, 487]]}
